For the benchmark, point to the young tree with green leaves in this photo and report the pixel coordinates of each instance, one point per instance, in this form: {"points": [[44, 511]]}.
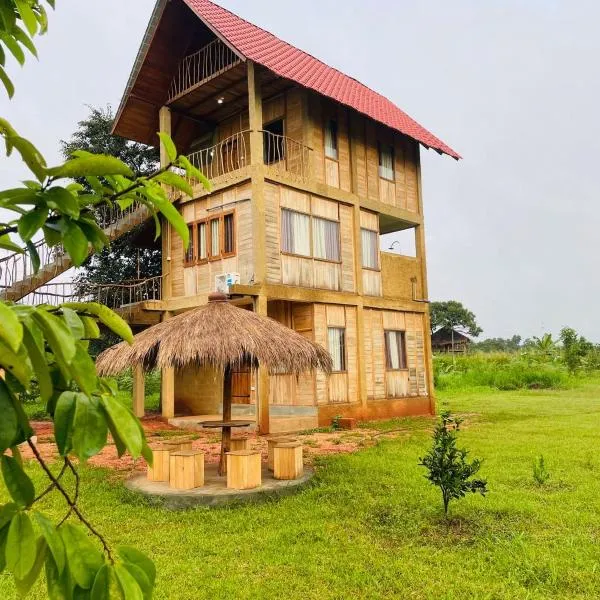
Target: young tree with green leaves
{"points": [[49, 346]]}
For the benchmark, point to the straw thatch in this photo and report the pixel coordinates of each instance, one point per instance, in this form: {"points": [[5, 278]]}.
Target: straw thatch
{"points": [[218, 335]]}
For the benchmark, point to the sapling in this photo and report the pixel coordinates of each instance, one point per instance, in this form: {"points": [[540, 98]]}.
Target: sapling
{"points": [[540, 473], [447, 465]]}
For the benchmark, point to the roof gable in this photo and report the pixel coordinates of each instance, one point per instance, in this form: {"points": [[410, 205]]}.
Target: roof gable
{"points": [[255, 44]]}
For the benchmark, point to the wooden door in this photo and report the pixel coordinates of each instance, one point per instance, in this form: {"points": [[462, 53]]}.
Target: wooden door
{"points": [[240, 385]]}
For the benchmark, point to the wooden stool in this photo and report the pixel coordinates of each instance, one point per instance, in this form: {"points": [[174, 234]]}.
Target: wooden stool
{"points": [[243, 470], [272, 442], [159, 471], [176, 445], [288, 461], [186, 469], [238, 444]]}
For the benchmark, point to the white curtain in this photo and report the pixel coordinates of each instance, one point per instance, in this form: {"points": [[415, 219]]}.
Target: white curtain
{"points": [[215, 242], [386, 162], [202, 241], [370, 249], [189, 255], [394, 350], [326, 239], [337, 347], [331, 145], [295, 233]]}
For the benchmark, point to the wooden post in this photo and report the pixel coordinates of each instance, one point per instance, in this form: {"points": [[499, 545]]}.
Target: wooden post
{"points": [[255, 116], [226, 431], [138, 391], [167, 386], [262, 395]]}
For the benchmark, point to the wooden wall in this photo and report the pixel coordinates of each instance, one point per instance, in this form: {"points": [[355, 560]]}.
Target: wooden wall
{"points": [[306, 271], [383, 384], [371, 278], [200, 279], [396, 274], [357, 167]]}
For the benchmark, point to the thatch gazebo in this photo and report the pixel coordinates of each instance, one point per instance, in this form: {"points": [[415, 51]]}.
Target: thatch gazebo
{"points": [[222, 336]]}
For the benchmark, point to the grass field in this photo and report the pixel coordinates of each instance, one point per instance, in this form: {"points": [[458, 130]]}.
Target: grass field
{"points": [[372, 527]]}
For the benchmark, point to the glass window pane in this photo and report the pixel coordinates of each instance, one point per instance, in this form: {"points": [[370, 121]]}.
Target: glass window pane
{"points": [[331, 139], [228, 232], [215, 242], [370, 249], [326, 239], [386, 162], [202, 251], [295, 234], [190, 255], [336, 340]]}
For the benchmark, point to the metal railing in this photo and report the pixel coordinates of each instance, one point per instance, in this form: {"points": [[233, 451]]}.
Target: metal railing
{"points": [[114, 295], [17, 271], [287, 156], [208, 62]]}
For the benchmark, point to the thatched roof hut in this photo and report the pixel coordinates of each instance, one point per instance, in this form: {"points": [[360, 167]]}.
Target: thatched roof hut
{"points": [[219, 335]]}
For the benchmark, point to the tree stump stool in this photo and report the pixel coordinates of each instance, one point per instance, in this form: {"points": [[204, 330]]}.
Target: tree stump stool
{"points": [[159, 471], [289, 463], [186, 469], [243, 470], [177, 445], [271, 443], [238, 444]]}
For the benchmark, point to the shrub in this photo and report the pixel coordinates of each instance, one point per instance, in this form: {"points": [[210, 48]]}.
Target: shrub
{"points": [[447, 465], [540, 473]]}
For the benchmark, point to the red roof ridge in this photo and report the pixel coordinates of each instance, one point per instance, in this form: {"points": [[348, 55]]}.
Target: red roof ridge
{"points": [[255, 43]]}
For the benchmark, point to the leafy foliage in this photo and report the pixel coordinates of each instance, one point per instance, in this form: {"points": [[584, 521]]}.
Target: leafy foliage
{"points": [[540, 472], [48, 347], [447, 465], [575, 348], [453, 315]]}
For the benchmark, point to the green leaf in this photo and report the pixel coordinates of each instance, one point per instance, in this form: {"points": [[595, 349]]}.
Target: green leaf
{"points": [[64, 415], [94, 234], [129, 586], [25, 584], [13, 47], [92, 331], [76, 243], [89, 166], [7, 244], [124, 424], [28, 16], [20, 546], [170, 213], [102, 583], [63, 201], [7, 512], [33, 256], [17, 482], [37, 356], [53, 539], [90, 430], [83, 370], [106, 316], [3, 538], [83, 558], [11, 330], [193, 172], [31, 156], [74, 323], [57, 334], [24, 39], [169, 145], [16, 363], [141, 578], [8, 84], [59, 588], [9, 422], [31, 222], [176, 181], [52, 235], [139, 559]]}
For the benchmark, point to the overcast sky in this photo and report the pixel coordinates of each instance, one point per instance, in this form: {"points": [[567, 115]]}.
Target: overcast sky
{"points": [[513, 85]]}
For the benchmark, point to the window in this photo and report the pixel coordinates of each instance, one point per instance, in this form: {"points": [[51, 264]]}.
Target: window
{"points": [[336, 338], [190, 254], [326, 239], [228, 235], [370, 248], [386, 162], [395, 350], [202, 247], [295, 233], [331, 139], [274, 142], [215, 238]]}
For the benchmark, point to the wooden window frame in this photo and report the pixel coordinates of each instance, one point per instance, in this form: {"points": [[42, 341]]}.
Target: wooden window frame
{"points": [[186, 261], [210, 257], [327, 121], [345, 348], [379, 154], [376, 269], [402, 333]]}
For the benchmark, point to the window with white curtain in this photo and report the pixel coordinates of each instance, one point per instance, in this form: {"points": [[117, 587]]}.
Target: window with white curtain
{"points": [[395, 350], [202, 249], [386, 161], [326, 239], [228, 234], [336, 340], [331, 139], [369, 241], [295, 232], [215, 237]]}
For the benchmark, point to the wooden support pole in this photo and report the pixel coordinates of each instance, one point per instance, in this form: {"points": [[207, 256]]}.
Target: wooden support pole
{"points": [[164, 126], [262, 396], [138, 391], [167, 386], [226, 431]]}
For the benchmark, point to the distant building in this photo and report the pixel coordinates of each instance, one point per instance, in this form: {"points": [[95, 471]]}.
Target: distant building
{"points": [[447, 340]]}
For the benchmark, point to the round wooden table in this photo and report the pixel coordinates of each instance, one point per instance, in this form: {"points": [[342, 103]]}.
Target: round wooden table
{"points": [[226, 426]]}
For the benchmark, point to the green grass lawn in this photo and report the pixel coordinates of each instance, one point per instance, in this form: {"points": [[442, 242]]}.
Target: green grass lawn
{"points": [[371, 526]]}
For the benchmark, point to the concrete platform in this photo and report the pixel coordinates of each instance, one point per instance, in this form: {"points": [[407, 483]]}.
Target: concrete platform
{"points": [[214, 492]]}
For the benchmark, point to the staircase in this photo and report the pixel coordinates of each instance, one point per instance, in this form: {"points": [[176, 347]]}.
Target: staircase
{"points": [[17, 276]]}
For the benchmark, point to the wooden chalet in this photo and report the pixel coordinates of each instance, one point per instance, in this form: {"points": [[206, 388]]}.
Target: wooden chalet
{"points": [[448, 340]]}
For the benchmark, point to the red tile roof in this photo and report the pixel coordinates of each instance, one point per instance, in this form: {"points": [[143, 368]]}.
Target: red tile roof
{"points": [[260, 46]]}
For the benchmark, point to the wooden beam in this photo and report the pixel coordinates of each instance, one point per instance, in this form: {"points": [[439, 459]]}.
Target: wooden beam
{"points": [[262, 395], [164, 126], [167, 387], [138, 391]]}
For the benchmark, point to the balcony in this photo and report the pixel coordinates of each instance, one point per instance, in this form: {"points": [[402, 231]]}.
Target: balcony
{"points": [[227, 160]]}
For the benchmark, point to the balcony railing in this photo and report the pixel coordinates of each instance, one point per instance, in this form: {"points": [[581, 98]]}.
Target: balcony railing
{"points": [[205, 64], [286, 156]]}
